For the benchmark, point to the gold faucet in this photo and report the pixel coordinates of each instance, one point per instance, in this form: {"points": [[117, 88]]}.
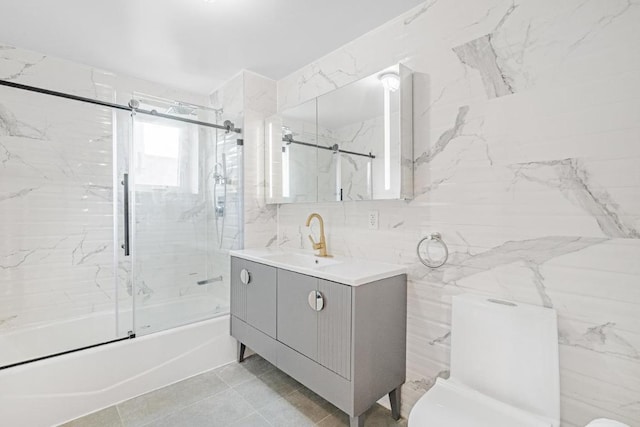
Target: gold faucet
{"points": [[322, 246]]}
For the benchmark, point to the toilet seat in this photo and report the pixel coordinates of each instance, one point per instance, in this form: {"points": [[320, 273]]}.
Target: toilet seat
{"points": [[453, 404]]}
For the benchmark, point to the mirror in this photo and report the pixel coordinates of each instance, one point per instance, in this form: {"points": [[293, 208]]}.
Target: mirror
{"points": [[291, 140], [354, 143]]}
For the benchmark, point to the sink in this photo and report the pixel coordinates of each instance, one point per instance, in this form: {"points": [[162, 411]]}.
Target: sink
{"points": [[345, 270], [301, 260]]}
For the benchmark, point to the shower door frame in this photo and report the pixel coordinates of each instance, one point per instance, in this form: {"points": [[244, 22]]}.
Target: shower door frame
{"points": [[228, 126]]}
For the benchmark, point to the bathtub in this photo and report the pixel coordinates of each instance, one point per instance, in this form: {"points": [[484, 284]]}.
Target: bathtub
{"points": [[54, 337], [39, 340], [56, 390]]}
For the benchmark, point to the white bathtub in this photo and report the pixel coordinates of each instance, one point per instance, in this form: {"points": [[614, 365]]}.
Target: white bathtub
{"points": [[40, 340], [54, 337], [62, 388]]}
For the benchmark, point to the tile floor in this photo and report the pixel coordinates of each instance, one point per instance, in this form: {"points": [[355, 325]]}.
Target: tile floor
{"points": [[251, 394]]}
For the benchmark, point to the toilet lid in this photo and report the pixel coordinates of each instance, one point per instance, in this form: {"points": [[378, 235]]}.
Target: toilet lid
{"points": [[448, 404], [605, 422]]}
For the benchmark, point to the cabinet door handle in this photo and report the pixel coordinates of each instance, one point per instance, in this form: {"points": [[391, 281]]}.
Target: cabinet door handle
{"points": [[316, 300], [245, 276]]}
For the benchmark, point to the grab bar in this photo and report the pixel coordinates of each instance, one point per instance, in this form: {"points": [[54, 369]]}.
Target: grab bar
{"points": [[125, 183]]}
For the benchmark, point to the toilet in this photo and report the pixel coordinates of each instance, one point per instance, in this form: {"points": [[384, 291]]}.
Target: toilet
{"points": [[504, 368]]}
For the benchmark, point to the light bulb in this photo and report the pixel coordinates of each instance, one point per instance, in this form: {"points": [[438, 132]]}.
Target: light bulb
{"points": [[390, 81]]}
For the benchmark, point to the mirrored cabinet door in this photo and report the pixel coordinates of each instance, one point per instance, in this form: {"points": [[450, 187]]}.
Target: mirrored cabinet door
{"points": [[291, 155], [354, 143], [351, 127]]}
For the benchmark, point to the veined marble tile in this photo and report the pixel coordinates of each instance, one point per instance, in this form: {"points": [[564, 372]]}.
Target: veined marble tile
{"points": [[525, 144]]}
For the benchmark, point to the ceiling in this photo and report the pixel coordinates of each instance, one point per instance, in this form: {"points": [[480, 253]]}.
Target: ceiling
{"points": [[192, 44]]}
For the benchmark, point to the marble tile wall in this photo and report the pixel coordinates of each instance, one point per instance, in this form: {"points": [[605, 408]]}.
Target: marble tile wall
{"points": [[260, 222], [56, 242], [40, 70], [228, 103], [251, 98], [527, 145]]}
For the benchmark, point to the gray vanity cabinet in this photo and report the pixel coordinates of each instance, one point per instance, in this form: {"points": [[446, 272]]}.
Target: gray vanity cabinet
{"points": [[322, 333], [254, 302], [334, 328], [297, 325], [346, 343]]}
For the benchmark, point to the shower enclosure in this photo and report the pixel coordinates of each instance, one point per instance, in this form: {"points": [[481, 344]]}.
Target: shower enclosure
{"points": [[116, 221]]}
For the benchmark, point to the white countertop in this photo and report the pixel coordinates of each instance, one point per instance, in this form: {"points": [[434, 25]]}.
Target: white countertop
{"points": [[350, 271]]}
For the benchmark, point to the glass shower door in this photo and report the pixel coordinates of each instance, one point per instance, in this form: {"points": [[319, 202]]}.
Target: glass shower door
{"points": [[58, 286], [177, 178]]}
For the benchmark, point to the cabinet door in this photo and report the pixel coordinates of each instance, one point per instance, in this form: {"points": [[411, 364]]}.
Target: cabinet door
{"points": [[334, 328], [238, 290], [297, 321], [254, 302], [261, 297]]}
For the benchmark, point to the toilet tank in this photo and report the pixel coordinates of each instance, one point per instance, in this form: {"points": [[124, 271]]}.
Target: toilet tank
{"points": [[508, 351]]}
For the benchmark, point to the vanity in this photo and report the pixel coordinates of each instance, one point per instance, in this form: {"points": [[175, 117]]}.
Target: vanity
{"points": [[338, 326]]}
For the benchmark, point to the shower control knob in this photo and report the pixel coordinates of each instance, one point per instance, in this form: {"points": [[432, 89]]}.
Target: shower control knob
{"points": [[245, 276]]}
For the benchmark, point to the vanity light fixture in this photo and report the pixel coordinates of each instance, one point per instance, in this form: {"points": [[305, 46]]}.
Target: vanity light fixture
{"points": [[286, 179], [287, 135], [390, 83], [270, 159]]}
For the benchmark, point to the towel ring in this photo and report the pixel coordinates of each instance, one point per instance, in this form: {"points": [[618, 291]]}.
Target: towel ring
{"points": [[425, 255]]}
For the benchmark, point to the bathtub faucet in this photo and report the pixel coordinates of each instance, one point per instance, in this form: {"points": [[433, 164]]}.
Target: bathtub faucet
{"points": [[211, 280]]}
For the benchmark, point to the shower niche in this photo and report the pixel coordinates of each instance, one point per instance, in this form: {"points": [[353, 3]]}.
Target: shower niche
{"points": [[354, 143]]}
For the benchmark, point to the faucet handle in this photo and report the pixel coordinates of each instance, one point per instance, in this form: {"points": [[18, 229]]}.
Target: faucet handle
{"points": [[314, 244]]}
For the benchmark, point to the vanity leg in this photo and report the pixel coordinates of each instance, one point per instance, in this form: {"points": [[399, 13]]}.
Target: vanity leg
{"points": [[241, 349], [356, 421], [394, 399]]}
